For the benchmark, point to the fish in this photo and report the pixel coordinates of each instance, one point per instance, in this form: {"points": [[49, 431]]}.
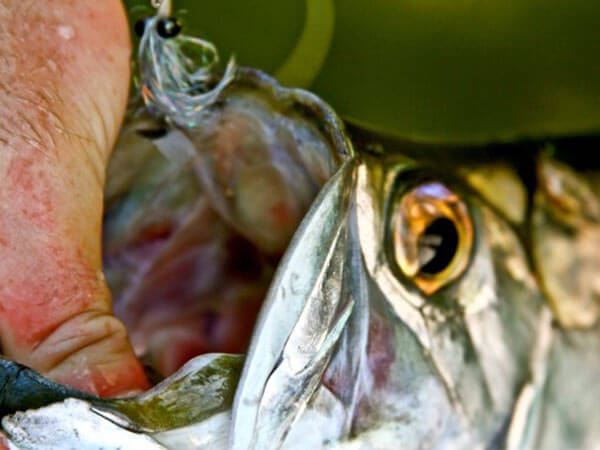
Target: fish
{"points": [[430, 297]]}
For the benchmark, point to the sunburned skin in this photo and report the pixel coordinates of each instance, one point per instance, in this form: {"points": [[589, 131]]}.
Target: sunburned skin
{"points": [[64, 77]]}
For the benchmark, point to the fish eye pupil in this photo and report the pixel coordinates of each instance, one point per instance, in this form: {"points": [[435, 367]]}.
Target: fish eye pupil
{"points": [[441, 236], [140, 27], [168, 28]]}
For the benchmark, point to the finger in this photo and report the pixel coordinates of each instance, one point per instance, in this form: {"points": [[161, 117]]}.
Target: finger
{"points": [[64, 77]]}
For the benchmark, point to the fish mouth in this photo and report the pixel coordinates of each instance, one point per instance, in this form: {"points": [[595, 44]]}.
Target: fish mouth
{"points": [[190, 269], [183, 281], [189, 265]]}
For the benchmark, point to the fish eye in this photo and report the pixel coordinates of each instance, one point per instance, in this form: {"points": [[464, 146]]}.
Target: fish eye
{"points": [[168, 27], [432, 236]]}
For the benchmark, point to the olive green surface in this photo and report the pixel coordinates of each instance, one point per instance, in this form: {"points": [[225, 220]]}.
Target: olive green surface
{"points": [[459, 71], [189, 397]]}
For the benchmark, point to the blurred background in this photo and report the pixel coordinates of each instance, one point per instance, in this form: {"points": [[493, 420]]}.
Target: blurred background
{"points": [[426, 70]]}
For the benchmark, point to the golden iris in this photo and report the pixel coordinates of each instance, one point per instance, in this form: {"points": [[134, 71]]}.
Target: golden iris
{"points": [[432, 235]]}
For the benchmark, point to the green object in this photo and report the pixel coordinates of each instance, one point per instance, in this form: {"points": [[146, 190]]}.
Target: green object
{"points": [[202, 388], [450, 72]]}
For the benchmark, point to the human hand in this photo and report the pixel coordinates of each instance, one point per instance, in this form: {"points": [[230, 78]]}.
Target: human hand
{"points": [[64, 78]]}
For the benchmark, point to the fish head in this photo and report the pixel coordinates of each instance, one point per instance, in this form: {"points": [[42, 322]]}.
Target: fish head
{"points": [[406, 298]]}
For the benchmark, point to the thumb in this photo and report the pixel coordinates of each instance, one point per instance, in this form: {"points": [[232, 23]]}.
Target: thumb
{"points": [[64, 76]]}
